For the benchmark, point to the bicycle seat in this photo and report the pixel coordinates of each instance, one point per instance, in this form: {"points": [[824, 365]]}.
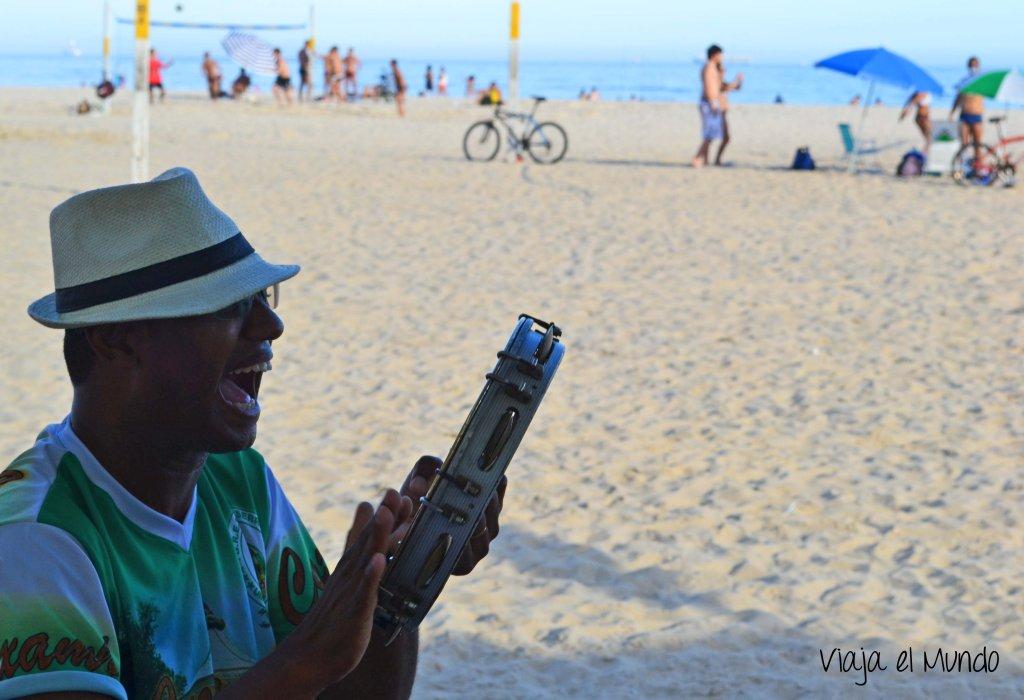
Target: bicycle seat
{"points": [[996, 120], [538, 98]]}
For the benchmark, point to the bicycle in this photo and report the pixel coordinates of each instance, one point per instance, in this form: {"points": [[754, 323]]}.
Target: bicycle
{"points": [[990, 164], [546, 142]]}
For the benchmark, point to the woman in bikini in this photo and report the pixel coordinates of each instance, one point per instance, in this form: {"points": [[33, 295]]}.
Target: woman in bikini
{"points": [[922, 101]]}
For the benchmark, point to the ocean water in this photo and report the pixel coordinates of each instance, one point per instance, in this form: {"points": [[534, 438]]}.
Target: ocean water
{"points": [[649, 81]]}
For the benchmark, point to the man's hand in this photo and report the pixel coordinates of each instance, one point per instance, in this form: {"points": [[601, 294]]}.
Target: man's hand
{"points": [[333, 636], [416, 485]]}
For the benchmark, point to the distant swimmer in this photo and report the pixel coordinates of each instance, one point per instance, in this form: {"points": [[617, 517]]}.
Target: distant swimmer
{"points": [[283, 82]]}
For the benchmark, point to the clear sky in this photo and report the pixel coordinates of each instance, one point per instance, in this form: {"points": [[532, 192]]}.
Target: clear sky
{"points": [[933, 32]]}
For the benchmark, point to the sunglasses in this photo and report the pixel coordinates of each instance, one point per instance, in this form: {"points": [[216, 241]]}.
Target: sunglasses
{"points": [[271, 296]]}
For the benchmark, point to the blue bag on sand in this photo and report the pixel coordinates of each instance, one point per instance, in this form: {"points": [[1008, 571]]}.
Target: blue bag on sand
{"points": [[911, 165], [802, 160]]}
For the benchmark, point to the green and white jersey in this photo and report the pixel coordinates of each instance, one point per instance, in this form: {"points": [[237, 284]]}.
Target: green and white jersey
{"points": [[100, 593]]}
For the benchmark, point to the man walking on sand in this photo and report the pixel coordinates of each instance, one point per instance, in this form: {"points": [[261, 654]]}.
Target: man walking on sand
{"points": [[710, 104], [972, 109], [283, 82]]}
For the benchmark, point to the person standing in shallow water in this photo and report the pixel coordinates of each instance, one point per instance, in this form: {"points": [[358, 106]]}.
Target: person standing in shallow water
{"points": [[428, 80]]}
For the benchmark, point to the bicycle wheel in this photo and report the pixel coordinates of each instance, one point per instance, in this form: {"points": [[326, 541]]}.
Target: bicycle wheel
{"points": [[967, 169], [547, 143], [481, 141]]}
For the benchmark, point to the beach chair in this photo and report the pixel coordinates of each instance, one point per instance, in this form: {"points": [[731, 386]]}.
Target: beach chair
{"points": [[855, 149], [852, 150]]}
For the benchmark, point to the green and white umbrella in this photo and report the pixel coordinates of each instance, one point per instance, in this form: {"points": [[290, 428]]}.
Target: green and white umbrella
{"points": [[999, 85]]}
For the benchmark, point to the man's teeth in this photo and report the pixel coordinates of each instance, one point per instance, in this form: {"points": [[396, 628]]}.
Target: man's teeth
{"points": [[261, 367]]}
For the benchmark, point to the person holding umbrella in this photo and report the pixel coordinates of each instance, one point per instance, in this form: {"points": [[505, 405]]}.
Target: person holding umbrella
{"points": [[972, 109]]}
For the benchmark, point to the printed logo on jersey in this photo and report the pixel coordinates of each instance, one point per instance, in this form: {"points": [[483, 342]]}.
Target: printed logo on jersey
{"points": [[247, 543]]}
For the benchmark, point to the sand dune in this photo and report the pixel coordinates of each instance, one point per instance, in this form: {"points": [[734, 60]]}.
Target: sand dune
{"points": [[790, 415]]}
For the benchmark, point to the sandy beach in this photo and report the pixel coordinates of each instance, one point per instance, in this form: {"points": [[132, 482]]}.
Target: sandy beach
{"points": [[789, 419]]}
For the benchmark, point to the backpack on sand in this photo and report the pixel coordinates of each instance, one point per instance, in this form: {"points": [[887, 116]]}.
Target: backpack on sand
{"points": [[911, 165], [802, 160]]}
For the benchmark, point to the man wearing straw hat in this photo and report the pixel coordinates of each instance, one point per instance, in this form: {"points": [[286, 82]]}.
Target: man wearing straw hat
{"points": [[145, 549]]}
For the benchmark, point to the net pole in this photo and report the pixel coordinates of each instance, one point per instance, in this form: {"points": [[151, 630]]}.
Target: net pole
{"points": [[513, 53], [312, 27], [107, 24], [140, 105]]}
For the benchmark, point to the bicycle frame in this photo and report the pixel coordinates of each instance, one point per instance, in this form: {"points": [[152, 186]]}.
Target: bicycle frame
{"points": [[516, 142]]}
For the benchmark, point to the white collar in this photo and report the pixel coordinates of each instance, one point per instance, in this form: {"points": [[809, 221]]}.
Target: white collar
{"points": [[132, 508]]}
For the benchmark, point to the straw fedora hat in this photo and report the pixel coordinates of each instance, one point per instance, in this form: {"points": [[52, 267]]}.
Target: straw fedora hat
{"points": [[157, 249]]}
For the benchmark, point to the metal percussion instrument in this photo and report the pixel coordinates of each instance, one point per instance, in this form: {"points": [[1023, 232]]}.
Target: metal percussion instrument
{"points": [[463, 486]]}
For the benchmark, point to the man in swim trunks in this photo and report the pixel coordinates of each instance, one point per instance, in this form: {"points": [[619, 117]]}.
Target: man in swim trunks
{"points": [[211, 69], [146, 550], [723, 100], [400, 87], [333, 75], [972, 109], [710, 105], [306, 58], [283, 82], [351, 65]]}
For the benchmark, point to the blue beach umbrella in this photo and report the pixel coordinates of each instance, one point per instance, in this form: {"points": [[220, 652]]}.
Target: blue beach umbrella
{"points": [[880, 66]]}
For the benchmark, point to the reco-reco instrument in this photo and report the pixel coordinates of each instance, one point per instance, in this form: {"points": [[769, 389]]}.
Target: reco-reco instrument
{"points": [[462, 487]]}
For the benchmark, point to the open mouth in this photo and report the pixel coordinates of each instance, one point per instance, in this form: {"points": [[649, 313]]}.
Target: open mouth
{"points": [[240, 387]]}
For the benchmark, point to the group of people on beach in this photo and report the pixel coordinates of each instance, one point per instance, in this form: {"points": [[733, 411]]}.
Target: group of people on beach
{"points": [[714, 105], [340, 79], [971, 108]]}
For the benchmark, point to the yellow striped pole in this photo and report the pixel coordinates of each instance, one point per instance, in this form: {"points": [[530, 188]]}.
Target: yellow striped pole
{"points": [[513, 53], [106, 40], [140, 106]]}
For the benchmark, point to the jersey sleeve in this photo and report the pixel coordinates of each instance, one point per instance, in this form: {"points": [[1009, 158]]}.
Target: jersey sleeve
{"points": [[56, 631], [296, 572]]}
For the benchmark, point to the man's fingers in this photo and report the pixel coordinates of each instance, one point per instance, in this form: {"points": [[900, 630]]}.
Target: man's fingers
{"points": [[364, 511], [419, 478], [368, 586]]}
